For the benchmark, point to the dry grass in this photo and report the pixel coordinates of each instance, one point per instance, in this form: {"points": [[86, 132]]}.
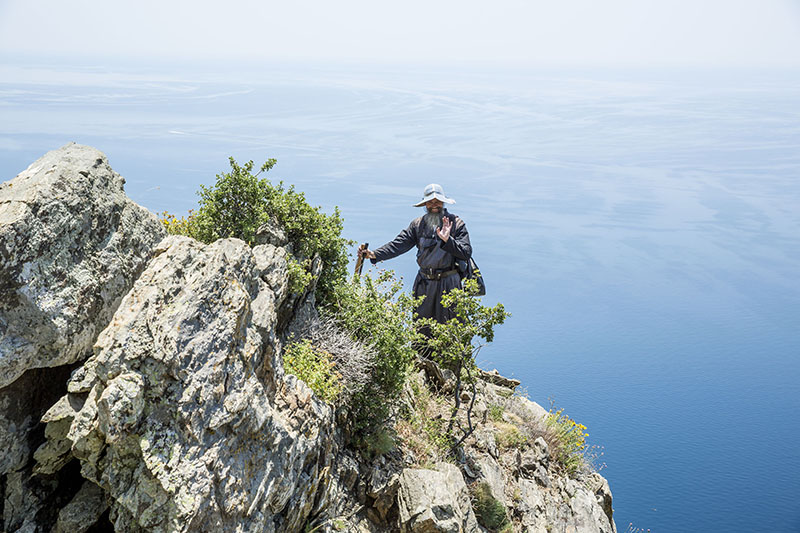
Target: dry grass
{"points": [[509, 436], [423, 430]]}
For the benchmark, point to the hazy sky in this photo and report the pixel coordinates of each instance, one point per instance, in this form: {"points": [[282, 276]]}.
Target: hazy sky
{"points": [[526, 32]]}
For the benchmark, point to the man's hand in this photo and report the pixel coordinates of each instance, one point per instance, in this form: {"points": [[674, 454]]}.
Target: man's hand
{"points": [[368, 254], [444, 231]]}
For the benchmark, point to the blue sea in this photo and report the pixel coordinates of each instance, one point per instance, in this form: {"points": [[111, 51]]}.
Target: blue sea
{"points": [[643, 228]]}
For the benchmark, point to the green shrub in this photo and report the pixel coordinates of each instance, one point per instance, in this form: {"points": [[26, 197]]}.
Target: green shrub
{"points": [[451, 345], [490, 512], [239, 203], [377, 313], [495, 412], [236, 205], [315, 368]]}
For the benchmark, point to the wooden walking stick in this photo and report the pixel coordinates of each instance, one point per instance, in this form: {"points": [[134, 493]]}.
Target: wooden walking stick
{"points": [[360, 259]]}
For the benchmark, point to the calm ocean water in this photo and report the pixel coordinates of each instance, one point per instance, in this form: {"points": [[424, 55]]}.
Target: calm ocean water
{"points": [[643, 229]]}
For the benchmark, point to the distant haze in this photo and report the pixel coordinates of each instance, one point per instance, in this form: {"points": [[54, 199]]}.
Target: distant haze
{"points": [[713, 33]]}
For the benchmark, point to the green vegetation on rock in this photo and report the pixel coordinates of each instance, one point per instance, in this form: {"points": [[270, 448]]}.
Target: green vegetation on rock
{"points": [[240, 202], [315, 367], [455, 344], [378, 314], [372, 312], [490, 512], [570, 440]]}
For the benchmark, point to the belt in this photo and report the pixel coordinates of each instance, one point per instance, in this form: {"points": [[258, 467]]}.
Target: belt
{"points": [[436, 275]]}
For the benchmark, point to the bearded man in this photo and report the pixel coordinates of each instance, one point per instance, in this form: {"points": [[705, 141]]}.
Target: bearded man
{"points": [[441, 238]]}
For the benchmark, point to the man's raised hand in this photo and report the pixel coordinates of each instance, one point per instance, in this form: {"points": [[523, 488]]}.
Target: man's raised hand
{"points": [[444, 231]]}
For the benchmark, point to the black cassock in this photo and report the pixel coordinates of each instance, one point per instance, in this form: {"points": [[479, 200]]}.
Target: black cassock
{"points": [[435, 258]]}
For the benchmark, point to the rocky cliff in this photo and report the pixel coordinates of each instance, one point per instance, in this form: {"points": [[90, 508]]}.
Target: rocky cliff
{"points": [[142, 389]]}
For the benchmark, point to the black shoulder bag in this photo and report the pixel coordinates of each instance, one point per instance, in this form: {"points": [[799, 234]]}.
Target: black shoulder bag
{"points": [[469, 270]]}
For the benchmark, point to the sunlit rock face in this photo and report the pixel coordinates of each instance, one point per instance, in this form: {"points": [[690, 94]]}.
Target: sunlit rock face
{"points": [[71, 245], [183, 414]]}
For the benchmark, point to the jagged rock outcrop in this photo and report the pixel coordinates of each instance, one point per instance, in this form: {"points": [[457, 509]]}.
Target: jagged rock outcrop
{"points": [[71, 245], [184, 416], [539, 495]]}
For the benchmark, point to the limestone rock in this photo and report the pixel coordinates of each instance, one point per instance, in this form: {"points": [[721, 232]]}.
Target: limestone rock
{"points": [[602, 493], [568, 506], [435, 501], [495, 378], [186, 418], [533, 460], [271, 233], [382, 488], [484, 439], [528, 409], [492, 473], [71, 245], [531, 506]]}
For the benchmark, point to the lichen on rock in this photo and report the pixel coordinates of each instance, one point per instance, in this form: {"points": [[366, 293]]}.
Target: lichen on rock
{"points": [[189, 419]]}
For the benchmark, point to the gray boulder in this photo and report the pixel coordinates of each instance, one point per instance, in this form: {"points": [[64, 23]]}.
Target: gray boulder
{"points": [[435, 501], [491, 473], [568, 506], [183, 415], [83, 511], [71, 245]]}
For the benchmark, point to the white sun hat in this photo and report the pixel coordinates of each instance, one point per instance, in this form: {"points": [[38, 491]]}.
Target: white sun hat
{"points": [[434, 190]]}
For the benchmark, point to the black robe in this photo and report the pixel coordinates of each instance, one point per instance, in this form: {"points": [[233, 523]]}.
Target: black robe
{"points": [[433, 255]]}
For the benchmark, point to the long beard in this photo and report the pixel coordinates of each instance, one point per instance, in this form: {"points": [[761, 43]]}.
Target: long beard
{"points": [[432, 220]]}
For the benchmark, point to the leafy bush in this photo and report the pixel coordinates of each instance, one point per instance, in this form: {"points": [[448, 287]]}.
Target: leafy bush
{"points": [[377, 313], [451, 342], [490, 512], [239, 203], [236, 205], [315, 367]]}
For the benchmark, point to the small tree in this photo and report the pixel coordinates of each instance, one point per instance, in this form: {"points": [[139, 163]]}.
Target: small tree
{"points": [[453, 345]]}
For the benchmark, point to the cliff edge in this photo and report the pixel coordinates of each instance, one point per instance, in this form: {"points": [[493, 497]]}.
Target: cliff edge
{"points": [[142, 388]]}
